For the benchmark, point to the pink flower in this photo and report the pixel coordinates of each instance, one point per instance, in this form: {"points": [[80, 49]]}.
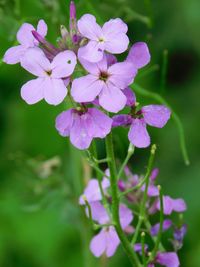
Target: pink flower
{"points": [[49, 84], [24, 36], [104, 81], [107, 240], [170, 205], [83, 126], [111, 37]]}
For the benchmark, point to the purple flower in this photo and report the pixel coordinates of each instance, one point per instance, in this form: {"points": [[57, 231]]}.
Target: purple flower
{"points": [[166, 225], [49, 84], [168, 259], [153, 115], [179, 234], [24, 36], [92, 191], [139, 55], [82, 127], [138, 247], [104, 81], [170, 205], [107, 240], [111, 37]]}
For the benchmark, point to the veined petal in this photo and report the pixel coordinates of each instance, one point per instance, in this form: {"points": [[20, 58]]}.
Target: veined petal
{"points": [[99, 125], [63, 64], [78, 134], [114, 26], [156, 115], [138, 134], [64, 122], [54, 91], [88, 27], [139, 55], [111, 98], [86, 89], [35, 62], [121, 120], [122, 74], [33, 91], [14, 54], [98, 244], [42, 28], [24, 35], [117, 44], [92, 52]]}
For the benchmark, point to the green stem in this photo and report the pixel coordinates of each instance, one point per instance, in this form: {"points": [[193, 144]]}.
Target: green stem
{"points": [[143, 249], [115, 204], [130, 152], [140, 90], [164, 71], [144, 200]]}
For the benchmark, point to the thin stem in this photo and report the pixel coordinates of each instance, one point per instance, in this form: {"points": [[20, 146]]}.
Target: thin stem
{"points": [[143, 249], [115, 204], [164, 71], [140, 90], [130, 152], [144, 200], [158, 240], [138, 186]]}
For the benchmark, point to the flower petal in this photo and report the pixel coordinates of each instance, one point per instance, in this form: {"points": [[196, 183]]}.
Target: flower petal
{"points": [[86, 89], [88, 27], [35, 62], [121, 120], [167, 205], [139, 55], [92, 52], [94, 68], [78, 134], [126, 216], [64, 122], [111, 98], [156, 115], [138, 134], [155, 228], [24, 35], [98, 244], [179, 205], [112, 241], [63, 64], [33, 91], [14, 54], [99, 213], [122, 74], [42, 28], [168, 259], [130, 95], [99, 124], [55, 91]]}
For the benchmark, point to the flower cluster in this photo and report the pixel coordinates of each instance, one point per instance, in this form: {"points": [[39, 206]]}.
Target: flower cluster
{"points": [[106, 241], [84, 69]]}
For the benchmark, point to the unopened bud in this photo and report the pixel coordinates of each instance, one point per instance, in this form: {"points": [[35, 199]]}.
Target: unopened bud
{"points": [[72, 10]]}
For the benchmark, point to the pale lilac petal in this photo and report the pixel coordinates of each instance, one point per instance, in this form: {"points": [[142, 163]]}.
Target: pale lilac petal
{"points": [[42, 28], [153, 191], [168, 259], [111, 59], [122, 74], [94, 68], [138, 247], [64, 122], [78, 134], [121, 120], [92, 52], [87, 88], [33, 91], [179, 205], [130, 95], [167, 205], [14, 54], [112, 99], [156, 115], [63, 64], [116, 40], [138, 134], [99, 213], [154, 174], [55, 91], [99, 125], [92, 192], [126, 216], [88, 27], [98, 244], [112, 241], [155, 228], [139, 55], [35, 62], [24, 35]]}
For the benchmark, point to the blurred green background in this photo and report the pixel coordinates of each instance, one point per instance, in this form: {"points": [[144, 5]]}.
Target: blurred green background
{"points": [[41, 223]]}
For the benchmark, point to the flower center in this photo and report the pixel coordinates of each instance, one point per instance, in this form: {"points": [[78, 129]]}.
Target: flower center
{"points": [[101, 40], [103, 76], [49, 72]]}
